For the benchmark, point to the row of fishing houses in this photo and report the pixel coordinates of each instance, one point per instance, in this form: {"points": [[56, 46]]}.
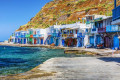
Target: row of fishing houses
{"points": [[97, 30]]}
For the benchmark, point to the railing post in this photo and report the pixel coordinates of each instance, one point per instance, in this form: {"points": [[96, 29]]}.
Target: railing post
{"points": [[114, 3]]}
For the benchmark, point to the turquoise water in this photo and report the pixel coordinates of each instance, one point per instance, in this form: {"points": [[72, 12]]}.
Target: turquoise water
{"points": [[14, 60]]}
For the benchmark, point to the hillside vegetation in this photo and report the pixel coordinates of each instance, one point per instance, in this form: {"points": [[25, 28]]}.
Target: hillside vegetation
{"points": [[67, 12]]}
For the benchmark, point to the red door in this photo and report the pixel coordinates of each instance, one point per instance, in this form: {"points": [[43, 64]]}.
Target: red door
{"points": [[35, 41], [107, 42]]}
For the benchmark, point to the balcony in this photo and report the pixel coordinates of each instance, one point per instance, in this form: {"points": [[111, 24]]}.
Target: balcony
{"points": [[56, 34], [22, 36], [80, 35], [41, 35], [67, 35], [112, 28], [31, 36], [36, 36], [87, 22], [94, 30], [101, 30], [116, 16], [70, 35], [27, 36], [64, 35], [116, 13], [16, 36]]}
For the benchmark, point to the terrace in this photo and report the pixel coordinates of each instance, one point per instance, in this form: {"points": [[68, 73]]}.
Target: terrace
{"points": [[112, 28], [94, 30], [80, 35], [101, 30], [56, 34], [116, 13]]}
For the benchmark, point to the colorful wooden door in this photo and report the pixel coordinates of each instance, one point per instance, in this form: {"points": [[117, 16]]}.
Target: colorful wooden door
{"points": [[98, 40], [51, 40], [116, 41], [57, 42], [63, 42], [107, 42], [41, 41], [38, 41], [92, 40], [24, 41], [30, 40]]}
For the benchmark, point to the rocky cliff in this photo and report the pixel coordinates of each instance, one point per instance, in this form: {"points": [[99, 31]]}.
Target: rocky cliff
{"points": [[67, 12]]}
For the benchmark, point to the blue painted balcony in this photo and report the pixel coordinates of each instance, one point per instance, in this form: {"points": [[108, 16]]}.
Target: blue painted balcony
{"points": [[101, 30], [16, 36], [87, 22], [94, 30], [112, 28], [56, 34], [22, 36], [116, 13], [41, 35], [36, 36], [80, 35]]}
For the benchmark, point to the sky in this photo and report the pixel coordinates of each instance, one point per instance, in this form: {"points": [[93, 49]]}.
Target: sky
{"points": [[14, 13]]}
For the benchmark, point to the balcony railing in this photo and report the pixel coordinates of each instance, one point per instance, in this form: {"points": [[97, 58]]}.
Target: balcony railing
{"points": [[56, 34], [35, 36], [27, 36], [41, 35], [112, 28], [22, 36], [87, 22], [116, 13], [101, 30], [31, 36], [80, 35], [70, 35], [94, 30], [67, 35]]}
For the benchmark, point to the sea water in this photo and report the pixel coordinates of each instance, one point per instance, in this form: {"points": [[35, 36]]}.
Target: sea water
{"points": [[14, 60]]}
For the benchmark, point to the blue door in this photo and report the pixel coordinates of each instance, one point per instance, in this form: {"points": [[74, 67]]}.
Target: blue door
{"points": [[92, 40], [79, 42], [41, 41], [24, 41], [48, 42], [18, 40], [116, 41], [63, 42], [57, 42], [15, 40], [21, 41], [38, 41], [98, 39], [51, 40]]}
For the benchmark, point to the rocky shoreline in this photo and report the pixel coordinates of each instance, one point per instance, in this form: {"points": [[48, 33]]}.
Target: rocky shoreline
{"points": [[75, 50]]}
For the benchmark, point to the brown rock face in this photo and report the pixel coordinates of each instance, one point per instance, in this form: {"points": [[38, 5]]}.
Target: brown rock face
{"points": [[68, 11]]}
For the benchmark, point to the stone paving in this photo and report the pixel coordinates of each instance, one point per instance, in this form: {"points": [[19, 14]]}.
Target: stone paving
{"points": [[82, 68]]}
